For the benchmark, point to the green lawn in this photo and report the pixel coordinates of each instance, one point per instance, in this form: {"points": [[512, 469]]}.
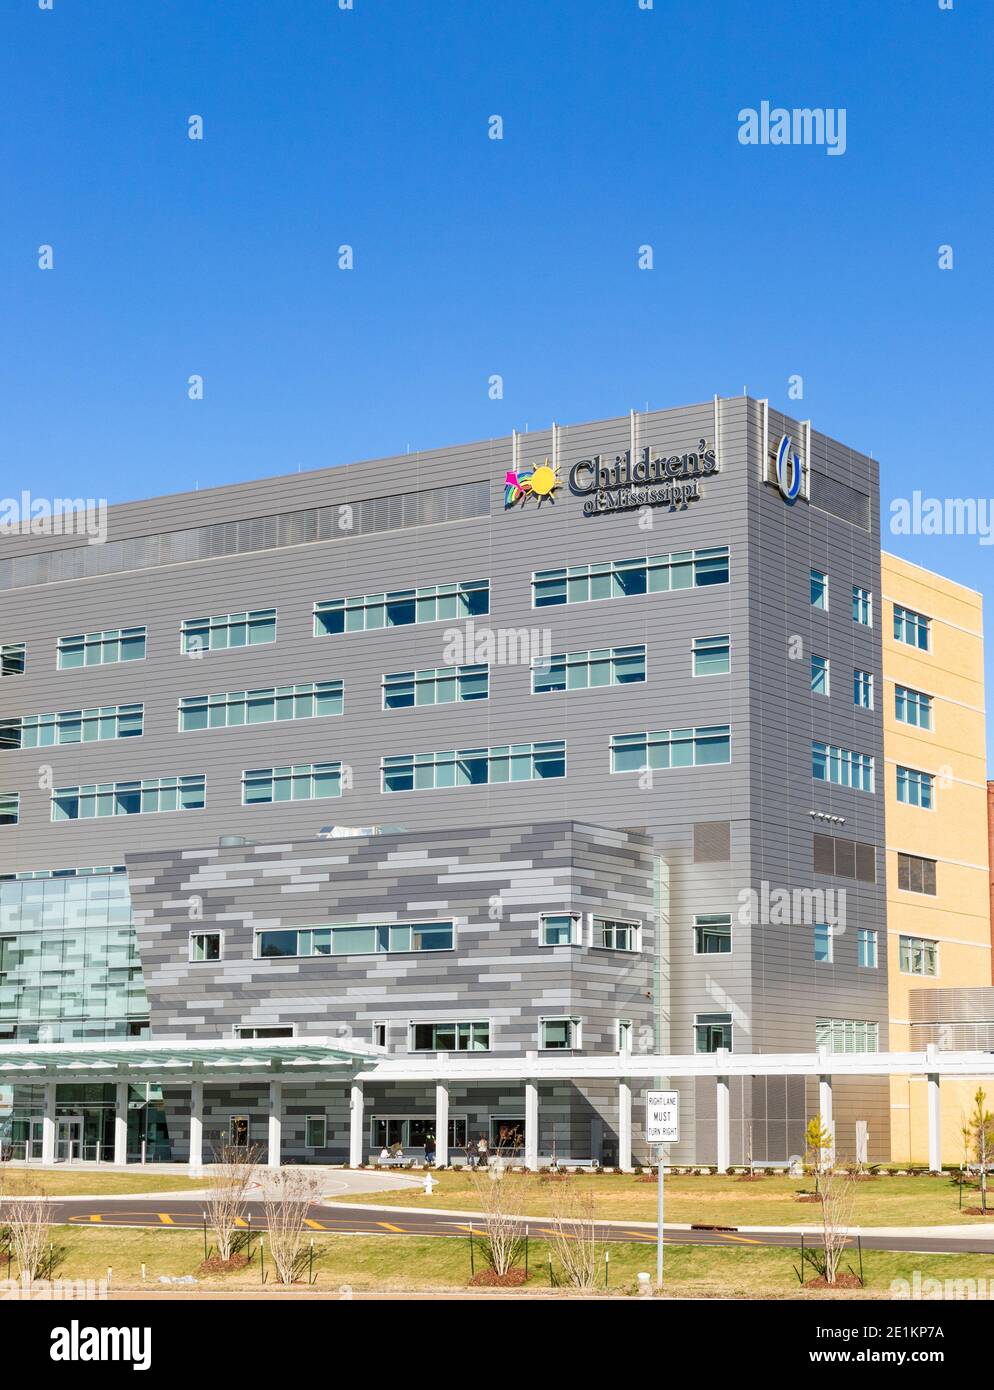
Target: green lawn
{"points": [[90, 1183], [716, 1201], [405, 1263]]}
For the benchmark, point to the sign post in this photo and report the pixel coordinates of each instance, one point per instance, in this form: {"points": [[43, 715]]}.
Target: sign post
{"points": [[662, 1126]]}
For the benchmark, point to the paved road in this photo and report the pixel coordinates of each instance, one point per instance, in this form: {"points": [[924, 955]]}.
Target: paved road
{"points": [[187, 1213]]}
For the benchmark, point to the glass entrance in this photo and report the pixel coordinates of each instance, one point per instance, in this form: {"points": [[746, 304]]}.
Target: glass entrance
{"points": [[68, 1138]]}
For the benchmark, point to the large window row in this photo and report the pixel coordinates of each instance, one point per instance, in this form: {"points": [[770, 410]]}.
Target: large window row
{"points": [[686, 569], [912, 707], [515, 762], [100, 648], [362, 940], [431, 604], [224, 630], [296, 782], [915, 788], [442, 685], [585, 670], [668, 748], [72, 726], [151, 795], [271, 705], [912, 628], [841, 766]]}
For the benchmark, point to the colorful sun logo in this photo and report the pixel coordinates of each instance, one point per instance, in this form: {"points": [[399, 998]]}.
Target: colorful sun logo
{"points": [[540, 483]]}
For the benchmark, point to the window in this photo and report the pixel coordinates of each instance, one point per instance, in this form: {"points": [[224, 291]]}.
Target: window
{"points": [[560, 929], [515, 762], [225, 630], [9, 807], [823, 942], [912, 707], [845, 858], [842, 767], [911, 627], [278, 1030], [866, 948], [267, 706], [916, 875], [316, 1132], [585, 670], [299, 782], [862, 689], [444, 685], [72, 726], [386, 1131], [12, 658], [819, 590], [862, 606], [354, 940], [819, 675], [713, 934], [558, 1034], [450, 1037], [100, 648], [205, 945], [686, 569], [914, 788], [379, 1034], [151, 795], [624, 1031], [667, 748], [712, 1031], [847, 1035], [919, 956], [435, 603], [712, 656], [613, 935]]}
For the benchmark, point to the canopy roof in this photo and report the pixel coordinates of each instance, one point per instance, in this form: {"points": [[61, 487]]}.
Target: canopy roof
{"points": [[22, 1060]]}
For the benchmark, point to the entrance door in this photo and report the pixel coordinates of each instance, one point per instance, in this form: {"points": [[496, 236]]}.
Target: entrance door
{"points": [[238, 1132], [34, 1138], [68, 1138]]}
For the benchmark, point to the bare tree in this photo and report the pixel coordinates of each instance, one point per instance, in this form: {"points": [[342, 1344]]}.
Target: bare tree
{"points": [[29, 1221], [838, 1198], [232, 1172], [502, 1197], [573, 1240], [288, 1193]]}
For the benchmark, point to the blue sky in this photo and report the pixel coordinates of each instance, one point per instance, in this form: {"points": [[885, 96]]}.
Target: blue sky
{"points": [[474, 256]]}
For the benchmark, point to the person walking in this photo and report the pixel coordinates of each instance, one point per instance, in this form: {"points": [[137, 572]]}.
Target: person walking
{"points": [[482, 1151]]}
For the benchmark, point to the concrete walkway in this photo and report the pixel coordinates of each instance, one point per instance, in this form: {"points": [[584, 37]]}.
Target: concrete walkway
{"points": [[334, 1182]]}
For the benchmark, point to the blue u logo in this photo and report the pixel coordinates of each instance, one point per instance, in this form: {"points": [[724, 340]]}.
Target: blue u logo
{"points": [[788, 469]]}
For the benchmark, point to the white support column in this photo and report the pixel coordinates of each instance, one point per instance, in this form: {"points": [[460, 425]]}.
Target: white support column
{"points": [[197, 1124], [625, 1126], [48, 1125], [723, 1110], [273, 1157], [121, 1124], [825, 1110], [441, 1123], [356, 1125], [531, 1126], [934, 1117]]}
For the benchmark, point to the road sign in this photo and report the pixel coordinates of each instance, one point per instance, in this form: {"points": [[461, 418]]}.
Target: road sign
{"points": [[662, 1117]]}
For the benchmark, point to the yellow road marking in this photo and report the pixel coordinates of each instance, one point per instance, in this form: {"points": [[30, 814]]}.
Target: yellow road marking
{"points": [[643, 1235], [743, 1240], [544, 1231], [470, 1230], [314, 1225], [96, 1216], [165, 1218], [387, 1227], [240, 1221]]}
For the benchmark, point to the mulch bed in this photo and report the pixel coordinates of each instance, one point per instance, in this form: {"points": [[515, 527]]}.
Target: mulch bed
{"points": [[215, 1265], [806, 1197], [554, 1177], [842, 1281], [489, 1278], [978, 1211], [751, 1177]]}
